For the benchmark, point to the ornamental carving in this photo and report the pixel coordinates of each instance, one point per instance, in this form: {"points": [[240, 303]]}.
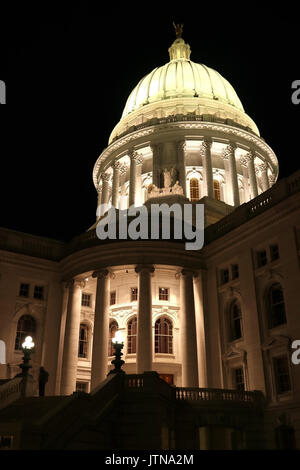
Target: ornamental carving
{"points": [[101, 274], [229, 151], [244, 162], [105, 177], [263, 166], [117, 166]]}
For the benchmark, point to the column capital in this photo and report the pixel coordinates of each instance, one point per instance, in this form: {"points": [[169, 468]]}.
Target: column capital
{"points": [[206, 144], [229, 150], [144, 267], [250, 155], [123, 169], [272, 179], [263, 166], [244, 162], [105, 177], [101, 274], [75, 283], [117, 165], [134, 155], [181, 144]]}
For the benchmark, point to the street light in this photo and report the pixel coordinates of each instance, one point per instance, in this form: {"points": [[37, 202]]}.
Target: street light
{"points": [[27, 348], [118, 342]]}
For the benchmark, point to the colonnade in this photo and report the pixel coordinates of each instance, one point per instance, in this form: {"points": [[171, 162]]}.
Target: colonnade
{"points": [[189, 344], [250, 172]]}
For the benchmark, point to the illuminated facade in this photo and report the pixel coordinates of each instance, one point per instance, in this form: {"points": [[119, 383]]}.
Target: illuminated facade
{"points": [[220, 318]]}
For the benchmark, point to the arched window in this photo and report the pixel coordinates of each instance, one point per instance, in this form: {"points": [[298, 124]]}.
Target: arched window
{"points": [[235, 319], [217, 190], [276, 306], [113, 326], [131, 336], [83, 341], [163, 336], [26, 327], [194, 190]]}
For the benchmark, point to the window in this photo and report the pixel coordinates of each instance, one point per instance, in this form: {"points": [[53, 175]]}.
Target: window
{"points": [[169, 378], [261, 258], [134, 294], [38, 292], [238, 378], [235, 271], [163, 336], [82, 387], [26, 327], [194, 190], [131, 336], [274, 252], [24, 290], [163, 293], [224, 276], [235, 321], [217, 191], [113, 297], [86, 300], [276, 306], [282, 374], [6, 442], [83, 341], [112, 331]]}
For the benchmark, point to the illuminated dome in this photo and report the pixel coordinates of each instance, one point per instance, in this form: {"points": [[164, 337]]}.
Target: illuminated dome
{"points": [[182, 87], [181, 78]]}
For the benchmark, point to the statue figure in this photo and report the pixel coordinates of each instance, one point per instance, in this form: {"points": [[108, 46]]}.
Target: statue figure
{"points": [[177, 189], [174, 175], [167, 178], [178, 30]]}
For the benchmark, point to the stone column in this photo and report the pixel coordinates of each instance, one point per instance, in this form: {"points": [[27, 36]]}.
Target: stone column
{"points": [[181, 147], [205, 152], [115, 184], [71, 341], [200, 329], [244, 164], [144, 320], [101, 327], [229, 153], [99, 200], [264, 176], [188, 331], [156, 153], [123, 199], [105, 187], [135, 160], [252, 176]]}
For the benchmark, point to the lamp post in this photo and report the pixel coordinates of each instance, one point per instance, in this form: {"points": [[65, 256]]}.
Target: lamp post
{"points": [[118, 342], [27, 348]]}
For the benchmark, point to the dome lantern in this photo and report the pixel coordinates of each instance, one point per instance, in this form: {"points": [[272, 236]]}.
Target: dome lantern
{"points": [[179, 49]]}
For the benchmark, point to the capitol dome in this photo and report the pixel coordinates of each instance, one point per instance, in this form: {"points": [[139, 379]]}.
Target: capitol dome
{"points": [[182, 86]]}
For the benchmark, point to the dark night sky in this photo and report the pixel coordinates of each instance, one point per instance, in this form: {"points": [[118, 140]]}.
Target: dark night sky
{"points": [[69, 72]]}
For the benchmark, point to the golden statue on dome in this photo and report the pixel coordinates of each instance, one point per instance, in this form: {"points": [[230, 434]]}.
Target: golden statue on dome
{"points": [[178, 30]]}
